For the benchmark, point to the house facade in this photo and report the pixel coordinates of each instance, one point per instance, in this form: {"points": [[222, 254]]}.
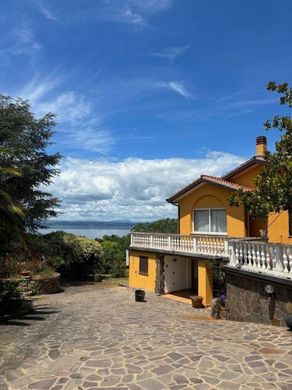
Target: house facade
{"points": [[214, 239]]}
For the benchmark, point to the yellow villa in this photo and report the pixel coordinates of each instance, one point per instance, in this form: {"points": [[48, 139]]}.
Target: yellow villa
{"points": [[213, 236]]}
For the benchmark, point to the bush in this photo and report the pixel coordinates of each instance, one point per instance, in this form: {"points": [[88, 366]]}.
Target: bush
{"points": [[10, 298], [73, 256], [113, 257]]}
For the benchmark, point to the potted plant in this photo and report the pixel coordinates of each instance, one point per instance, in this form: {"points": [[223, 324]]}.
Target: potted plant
{"points": [[288, 315]]}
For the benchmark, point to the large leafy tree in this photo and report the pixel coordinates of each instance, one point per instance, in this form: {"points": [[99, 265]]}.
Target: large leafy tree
{"points": [[27, 138], [11, 214], [273, 186]]}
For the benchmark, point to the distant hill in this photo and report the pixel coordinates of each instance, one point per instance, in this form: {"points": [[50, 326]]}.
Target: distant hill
{"points": [[90, 224]]}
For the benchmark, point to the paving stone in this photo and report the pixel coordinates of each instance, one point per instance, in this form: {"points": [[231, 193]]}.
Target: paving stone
{"points": [[54, 354], [180, 379], [42, 384], [151, 384], [160, 370]]}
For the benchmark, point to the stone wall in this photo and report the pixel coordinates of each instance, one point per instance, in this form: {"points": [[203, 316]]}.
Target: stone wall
{"points": [[50, 285], [246, 299]]}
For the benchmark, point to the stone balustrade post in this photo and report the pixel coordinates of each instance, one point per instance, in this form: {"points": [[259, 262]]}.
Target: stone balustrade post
{"points": [[279, 266]]}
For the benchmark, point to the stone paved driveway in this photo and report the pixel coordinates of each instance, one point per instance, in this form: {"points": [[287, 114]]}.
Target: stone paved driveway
{"points": [[99, 338]]}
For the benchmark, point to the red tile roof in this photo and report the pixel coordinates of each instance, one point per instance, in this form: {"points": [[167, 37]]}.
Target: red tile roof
{"points": [[225, 183], [208, 179]]}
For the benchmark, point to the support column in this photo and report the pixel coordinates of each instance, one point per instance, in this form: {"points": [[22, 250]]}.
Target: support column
{"points": [[159, 280], [205, 282]]}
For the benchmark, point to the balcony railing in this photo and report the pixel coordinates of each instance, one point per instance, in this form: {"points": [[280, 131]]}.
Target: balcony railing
{"points": [[207, 244], [248, 254], [261, 257]]}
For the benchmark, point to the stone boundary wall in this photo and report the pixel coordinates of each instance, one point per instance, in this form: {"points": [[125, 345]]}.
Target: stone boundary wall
{"points": [[50, 285], [246, 299]]}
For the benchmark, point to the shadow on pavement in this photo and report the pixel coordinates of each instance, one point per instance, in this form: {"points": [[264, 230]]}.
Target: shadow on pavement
{"points": [[35, 313]]}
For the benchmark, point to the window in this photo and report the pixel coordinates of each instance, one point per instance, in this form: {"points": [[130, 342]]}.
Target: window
{"points": [[290, 221], [210, 220], [143, 265]]}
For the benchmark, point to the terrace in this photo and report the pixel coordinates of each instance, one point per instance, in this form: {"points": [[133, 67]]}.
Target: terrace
{"points": [[248, 254]]}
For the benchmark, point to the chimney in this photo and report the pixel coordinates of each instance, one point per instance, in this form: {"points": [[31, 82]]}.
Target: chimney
{"points": [[261, 145]]}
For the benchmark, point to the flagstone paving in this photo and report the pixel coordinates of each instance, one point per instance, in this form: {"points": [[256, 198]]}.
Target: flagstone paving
{"points": [[91, 338]]}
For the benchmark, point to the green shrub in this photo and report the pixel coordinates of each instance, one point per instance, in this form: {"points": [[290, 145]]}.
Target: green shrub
{"points": [[10, 298], [73, 256], [113, 257]]}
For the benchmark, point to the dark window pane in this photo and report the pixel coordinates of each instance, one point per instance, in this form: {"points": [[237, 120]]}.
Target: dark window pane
{"points": [[143, 265]]}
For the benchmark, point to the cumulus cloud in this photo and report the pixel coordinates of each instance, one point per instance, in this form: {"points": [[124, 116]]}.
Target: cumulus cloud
{"points": [[133, 189]]}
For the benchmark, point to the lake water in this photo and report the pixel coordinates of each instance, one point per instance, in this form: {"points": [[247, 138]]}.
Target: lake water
{"points": [[90, 233]]}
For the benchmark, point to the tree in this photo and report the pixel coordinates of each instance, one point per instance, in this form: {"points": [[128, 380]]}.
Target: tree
{"points": [[11, 214], [273, 186], [27, 139], [167, 225]]}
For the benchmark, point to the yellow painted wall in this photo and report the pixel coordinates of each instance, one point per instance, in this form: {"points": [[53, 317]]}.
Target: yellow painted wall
{"points": [[247, 178], [278, 231], [205, 282], [255, 225], [211, 196], [142, 281]]}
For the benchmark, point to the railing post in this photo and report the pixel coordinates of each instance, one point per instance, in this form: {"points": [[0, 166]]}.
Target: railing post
{"points": [[279, 266], [131, 238], [194, 244], [169, 242], [232, 257], [151, 241], [226, 247]]}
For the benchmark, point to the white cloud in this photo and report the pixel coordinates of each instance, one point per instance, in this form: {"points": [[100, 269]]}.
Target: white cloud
{"points": [[180, 89], [171, 52], [46, 13], [19, 41], [68, 107], [133, 189], [151, 6], [133, 12], [80, 125], [38, 88]]}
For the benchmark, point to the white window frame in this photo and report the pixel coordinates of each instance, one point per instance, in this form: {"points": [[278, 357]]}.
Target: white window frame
{"points": [[209, 232]]}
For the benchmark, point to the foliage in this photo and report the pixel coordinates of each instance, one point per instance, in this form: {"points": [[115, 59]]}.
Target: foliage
{"points": [[27, 138], [273, 186], [10, 297], [20, 257], [168, 225], [11, 214], [74, 256], [113, 257]]}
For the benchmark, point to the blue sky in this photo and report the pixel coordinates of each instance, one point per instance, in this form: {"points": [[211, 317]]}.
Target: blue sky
{"points": [[148, 93]]}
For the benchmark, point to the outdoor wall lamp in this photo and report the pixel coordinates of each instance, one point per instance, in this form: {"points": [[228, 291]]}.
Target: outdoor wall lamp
{"points": [[270, 291]]}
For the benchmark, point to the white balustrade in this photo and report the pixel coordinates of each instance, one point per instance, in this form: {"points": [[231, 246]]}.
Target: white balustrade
{"points": [[261, 257], [209, 245], [249, 255]]}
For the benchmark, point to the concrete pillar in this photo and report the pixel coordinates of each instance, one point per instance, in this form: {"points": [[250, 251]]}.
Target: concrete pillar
{"points": [[205, 282]]}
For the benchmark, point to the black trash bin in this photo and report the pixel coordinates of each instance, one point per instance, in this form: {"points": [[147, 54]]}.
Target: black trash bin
{"points": [[139, 295]]}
